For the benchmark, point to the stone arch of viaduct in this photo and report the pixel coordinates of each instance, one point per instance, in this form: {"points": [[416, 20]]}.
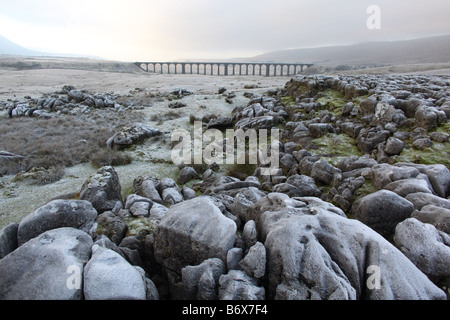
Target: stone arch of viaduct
{"points": [[224, 68]]}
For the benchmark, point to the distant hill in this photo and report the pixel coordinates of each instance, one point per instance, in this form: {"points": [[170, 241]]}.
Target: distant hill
{"points": [[16, 57], [7, 47], [425, 50]]}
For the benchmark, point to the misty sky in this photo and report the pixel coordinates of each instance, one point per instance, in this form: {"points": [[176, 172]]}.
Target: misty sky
{"points": [[156, 30]]}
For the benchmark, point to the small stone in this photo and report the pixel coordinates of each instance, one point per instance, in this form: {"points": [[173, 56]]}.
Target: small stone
{"points": [[140, 209], [394, 146], [422, 143]]}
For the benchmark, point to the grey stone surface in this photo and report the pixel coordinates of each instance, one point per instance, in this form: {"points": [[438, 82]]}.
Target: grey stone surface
{"points": [[148, 189], [172, 196], [108, 276], [187, 174], [249, 234], [102, 189], [191, 232], [437, 216], [382, 211], [422, 199], [406, 186], [236, 285], [234, 255], [323, 172], [201, 282], [77, 214], [254, 263], [111, 226], [318, 254], [424, 246], [439, 176], [8, 239], [394, 146], [42, 268]]}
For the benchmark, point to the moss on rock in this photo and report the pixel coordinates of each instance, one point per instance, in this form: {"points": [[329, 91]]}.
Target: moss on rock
{"points": [[334, 147]]}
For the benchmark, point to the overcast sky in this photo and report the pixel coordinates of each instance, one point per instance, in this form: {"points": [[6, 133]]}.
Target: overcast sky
{"points": [[193, 29]]}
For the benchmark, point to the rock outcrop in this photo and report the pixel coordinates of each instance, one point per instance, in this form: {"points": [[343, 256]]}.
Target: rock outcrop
{"points": [[78, 214], [103, 190], [357, 209], [38, 270], [318, 254], [191, 232]]}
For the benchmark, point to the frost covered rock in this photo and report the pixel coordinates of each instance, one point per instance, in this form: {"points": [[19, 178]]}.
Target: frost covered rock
{"points": [[111, 226], [244, 199], [8, 239], [77, 214], [102, 189], [48, 267], [236, 285], [191, 232], [323, 172], [147, 187], [382, 211], [108, 276], [254, 263], [187, 174], [424, 246], [313, 253], [201, 282], [262, 122], [437, 216], [130, 135], [172, 196]]}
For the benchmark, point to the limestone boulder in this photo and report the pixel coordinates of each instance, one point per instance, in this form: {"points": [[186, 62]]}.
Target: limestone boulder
{"points": [[8, 239], [404, 187], [202, 282], [313, 253], [187, 174], [47, 267], [111, 226], [368, 139], [102, 189], [128, 136], [424, 246], [236, 285], [437, 216], [323, 172], [382, 211], [79, 214], [191, 232], [108, 276]]}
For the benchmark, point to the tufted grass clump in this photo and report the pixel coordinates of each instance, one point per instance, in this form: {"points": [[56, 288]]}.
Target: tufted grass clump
{"points": [[107, 157], [61, 142]]}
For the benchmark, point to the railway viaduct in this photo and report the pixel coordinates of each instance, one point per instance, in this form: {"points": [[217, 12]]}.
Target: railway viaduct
{"points": [[224, 68]]}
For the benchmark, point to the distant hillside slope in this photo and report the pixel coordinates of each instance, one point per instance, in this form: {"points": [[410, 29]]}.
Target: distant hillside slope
{"points": [[10, 48], [7, 47], [16, 57], [425, 50], [8, 62]]}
